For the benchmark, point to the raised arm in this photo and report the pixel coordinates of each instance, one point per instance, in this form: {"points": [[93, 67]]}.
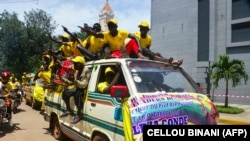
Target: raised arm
{"points": [[89, 31], [71, 35]]}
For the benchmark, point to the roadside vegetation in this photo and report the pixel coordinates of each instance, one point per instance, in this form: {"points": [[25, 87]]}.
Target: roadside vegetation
{"points": [[229, 109], [232, 72]]}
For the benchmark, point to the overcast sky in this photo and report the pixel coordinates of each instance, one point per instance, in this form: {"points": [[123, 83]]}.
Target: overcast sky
{"points": [[71, 13]]}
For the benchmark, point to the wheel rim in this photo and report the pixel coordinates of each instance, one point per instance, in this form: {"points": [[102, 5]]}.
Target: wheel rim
{"points": [[57, 131]]}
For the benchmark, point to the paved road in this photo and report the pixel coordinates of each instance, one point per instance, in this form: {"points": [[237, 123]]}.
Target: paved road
{"points": [[28, 125]]}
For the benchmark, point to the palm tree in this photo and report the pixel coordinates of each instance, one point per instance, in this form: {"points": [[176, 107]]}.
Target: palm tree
{"points": [[229, 70]]}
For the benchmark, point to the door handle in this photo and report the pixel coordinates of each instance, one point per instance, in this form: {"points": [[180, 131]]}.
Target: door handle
{"points": [[93, 104]]}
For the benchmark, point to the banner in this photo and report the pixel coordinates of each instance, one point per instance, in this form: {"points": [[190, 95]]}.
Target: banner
{"points": [[170, 109]]}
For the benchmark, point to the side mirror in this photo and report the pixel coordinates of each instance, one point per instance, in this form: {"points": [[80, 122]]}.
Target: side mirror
{"points": [[119, 91]]}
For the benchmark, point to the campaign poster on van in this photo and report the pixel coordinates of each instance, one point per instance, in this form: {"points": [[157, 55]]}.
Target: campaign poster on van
{"points": [[170, 109]]}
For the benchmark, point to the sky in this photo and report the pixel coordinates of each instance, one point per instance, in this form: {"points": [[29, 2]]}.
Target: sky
{"points": [[72, 13]]}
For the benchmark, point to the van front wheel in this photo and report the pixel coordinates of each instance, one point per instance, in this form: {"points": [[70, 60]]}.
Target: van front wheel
{"points": [[100, 137], [58, 134]]}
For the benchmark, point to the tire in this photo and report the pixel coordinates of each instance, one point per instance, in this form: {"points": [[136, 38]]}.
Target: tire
{"points": [[33, 105], [100, 137], [56, 130], [14, 110]]}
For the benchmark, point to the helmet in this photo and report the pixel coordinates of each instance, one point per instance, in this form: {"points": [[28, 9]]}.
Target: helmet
{"points": [[5, 76], [97, 27]]}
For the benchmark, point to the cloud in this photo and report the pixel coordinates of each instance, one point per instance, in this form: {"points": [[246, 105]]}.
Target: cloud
{"points": [[72, 13]]}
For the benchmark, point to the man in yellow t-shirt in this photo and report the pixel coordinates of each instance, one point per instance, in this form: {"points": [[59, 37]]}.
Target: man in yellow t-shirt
{"points": [[111, 77], [26, 79], [66, 47], [145, 43]]}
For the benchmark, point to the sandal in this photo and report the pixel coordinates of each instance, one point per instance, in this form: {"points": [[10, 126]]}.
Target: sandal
{"points": [[76, 119], [170, 60], [177, 62], [65, 114]]}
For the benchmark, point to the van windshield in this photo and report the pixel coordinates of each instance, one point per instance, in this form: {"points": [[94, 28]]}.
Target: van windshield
{"points": [[151, 77]]}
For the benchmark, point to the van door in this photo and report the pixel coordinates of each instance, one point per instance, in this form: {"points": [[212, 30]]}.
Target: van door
{"points": [[101, 108]]}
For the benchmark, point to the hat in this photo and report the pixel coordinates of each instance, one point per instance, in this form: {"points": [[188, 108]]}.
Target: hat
{"points": [[47, 56], [144, 24], [24, 73], [78, 59], [114, 21], [65, 36], [109, 69]]}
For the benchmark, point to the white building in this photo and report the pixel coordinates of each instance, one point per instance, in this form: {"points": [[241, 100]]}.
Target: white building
{"points": [[199, 31]]}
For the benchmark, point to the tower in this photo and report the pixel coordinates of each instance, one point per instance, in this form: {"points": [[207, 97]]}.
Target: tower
{"points": [[105, 15]]}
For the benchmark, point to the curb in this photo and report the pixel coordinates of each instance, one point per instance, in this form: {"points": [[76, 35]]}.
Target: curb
{"points": [[233, 122]]}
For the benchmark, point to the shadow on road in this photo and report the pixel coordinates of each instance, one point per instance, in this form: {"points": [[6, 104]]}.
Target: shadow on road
{"points": [[7, 129]]}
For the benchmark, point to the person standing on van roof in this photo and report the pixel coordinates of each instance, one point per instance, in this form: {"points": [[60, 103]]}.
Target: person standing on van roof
{"points": [[111, 77], [93, 47], [115, 38], [81, 81], [145, 42]]}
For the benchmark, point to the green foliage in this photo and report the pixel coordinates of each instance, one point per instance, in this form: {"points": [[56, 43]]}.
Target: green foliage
{"points": [[229, 109], [228, 70], [22, 43]]}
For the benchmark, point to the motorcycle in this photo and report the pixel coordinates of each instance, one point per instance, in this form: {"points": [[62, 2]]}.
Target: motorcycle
{"points": [[16, 97], [5, 110]]}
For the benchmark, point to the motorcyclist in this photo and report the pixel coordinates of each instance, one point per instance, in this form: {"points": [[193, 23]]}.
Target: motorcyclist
{"points": [[7, 88]]}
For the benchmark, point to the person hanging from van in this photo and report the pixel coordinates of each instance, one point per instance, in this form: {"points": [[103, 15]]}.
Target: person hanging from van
{"points": [[80, 80], [145, 42]]}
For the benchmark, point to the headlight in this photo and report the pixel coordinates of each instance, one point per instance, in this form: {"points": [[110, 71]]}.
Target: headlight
{"points": [[2, 102]]}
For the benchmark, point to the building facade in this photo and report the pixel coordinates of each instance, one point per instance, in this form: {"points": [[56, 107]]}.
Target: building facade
{"points": [[105, 15], [199, 31]]}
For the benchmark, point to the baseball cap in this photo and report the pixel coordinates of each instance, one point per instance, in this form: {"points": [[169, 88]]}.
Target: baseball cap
{"points": [[144, 24], [65, 36], [78, 59], [109, 69], [114, 21]]}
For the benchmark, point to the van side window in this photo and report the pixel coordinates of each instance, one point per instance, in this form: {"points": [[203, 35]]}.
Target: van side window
{"points": [[109, 76]]}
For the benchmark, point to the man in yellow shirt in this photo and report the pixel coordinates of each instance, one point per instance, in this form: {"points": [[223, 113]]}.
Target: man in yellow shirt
{"points": [[93, 44], [65, 49], [111, 76], [26, 79], [145, 42]]}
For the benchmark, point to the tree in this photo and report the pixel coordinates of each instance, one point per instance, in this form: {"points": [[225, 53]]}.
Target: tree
{"points": [[22, 43], [229, 70]]}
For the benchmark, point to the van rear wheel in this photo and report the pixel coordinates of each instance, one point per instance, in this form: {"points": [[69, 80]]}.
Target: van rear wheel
{"points": [[57, 132], [100, 137]]}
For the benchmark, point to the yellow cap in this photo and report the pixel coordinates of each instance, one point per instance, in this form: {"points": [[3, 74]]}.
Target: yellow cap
{"points": [[47, 56], [65, 36], [144, 24], [114, 21], [109, 69], [24, 73], [78, 59]]}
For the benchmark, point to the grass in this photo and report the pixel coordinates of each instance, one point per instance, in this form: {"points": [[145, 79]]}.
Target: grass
{"points": [[229, 109]]}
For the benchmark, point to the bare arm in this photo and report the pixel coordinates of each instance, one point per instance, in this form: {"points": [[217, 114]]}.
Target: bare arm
{"points": [[71, 35], [56, 41], [115, 80], [89, 31]]}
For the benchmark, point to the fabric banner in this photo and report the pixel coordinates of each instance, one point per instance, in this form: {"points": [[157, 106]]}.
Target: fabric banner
{"points": [[167, 109]]}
